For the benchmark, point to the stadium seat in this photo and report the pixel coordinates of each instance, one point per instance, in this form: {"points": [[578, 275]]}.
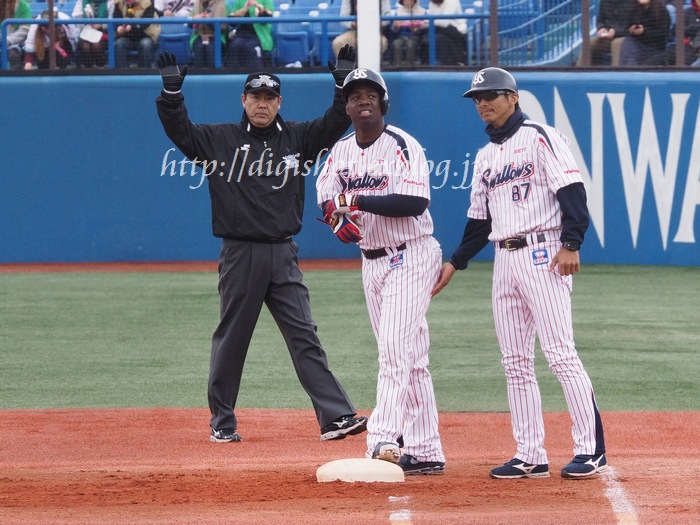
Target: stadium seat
{"points": [[292, 40], [176, 39]]}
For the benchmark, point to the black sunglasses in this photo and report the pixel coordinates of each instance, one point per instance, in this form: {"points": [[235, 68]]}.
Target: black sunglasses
{"points": [[488, 96]]}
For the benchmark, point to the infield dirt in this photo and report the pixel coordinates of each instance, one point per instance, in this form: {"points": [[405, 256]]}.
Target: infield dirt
{"points": [[156, 466]]}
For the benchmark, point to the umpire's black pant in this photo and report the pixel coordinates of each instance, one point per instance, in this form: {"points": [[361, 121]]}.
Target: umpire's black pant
{"points": [[250, 274]]}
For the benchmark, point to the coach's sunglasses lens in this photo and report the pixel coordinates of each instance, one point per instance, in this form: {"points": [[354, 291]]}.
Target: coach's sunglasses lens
{"points": [[262, 82], [488, 96]]}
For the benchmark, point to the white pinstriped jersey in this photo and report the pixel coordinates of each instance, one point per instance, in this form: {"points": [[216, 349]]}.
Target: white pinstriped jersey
{"points": [[519, 180], [394, 163]]}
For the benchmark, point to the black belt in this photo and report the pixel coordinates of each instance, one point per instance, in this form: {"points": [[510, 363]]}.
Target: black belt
{"points": [[518, 242], [279, 240], [380, 252]]}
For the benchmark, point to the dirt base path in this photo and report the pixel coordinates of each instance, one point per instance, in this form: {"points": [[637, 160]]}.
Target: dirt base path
{"points": [[156, 466]]}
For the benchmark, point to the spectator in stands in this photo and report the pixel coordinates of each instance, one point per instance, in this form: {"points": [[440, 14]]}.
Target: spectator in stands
{"points": [[408, 33], [349, 8], [648, 35], [202, 39], [176, 8], [137, 37], [37, 52], [691, 42], [16, 33], [249, 43], [612, 25], [92, 40], [450, 35]]}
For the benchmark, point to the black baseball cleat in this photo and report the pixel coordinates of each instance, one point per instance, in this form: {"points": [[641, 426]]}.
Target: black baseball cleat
{"points": [[224, 435], [411, 466], [344, 426], [583, 465], [517, 468]]}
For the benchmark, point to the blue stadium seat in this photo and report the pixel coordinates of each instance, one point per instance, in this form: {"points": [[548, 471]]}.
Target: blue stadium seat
{"points": [[176, 39], [292, 39]]}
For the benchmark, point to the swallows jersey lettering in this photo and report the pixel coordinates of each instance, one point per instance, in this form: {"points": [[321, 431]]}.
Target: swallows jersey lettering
{"points": [[509, 174], [368, 181]]}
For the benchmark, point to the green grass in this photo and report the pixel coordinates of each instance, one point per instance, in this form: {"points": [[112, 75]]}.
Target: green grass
{"points": [[142, 339]]}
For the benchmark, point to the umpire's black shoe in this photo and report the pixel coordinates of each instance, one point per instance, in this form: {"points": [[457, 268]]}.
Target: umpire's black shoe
{"points": [[411, 466], [517, 468], [224, 435], [344, 426]]}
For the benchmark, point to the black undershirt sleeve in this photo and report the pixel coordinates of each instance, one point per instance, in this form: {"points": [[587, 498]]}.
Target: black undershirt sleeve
{"points": [[476, 236], [574, 212], [394, 205]]}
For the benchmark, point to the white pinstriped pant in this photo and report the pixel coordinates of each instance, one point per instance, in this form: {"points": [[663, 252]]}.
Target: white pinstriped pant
{"points": [[397, 301], [529, 300]]}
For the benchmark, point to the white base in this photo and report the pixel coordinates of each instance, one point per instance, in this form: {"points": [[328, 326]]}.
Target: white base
{"points": [[356, 469]]}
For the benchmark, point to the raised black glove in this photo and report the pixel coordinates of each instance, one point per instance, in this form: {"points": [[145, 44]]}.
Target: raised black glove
{"points": [[343, 65], [170, 73]]}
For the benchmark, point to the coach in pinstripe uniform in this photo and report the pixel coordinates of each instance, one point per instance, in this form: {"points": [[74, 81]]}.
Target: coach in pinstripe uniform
{"points": [[528, 198]]}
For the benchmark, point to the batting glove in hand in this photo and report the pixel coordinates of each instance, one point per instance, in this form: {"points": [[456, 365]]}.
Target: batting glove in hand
{"points": [[339, 205], [170, 73], [347, 230], [343, 65]]}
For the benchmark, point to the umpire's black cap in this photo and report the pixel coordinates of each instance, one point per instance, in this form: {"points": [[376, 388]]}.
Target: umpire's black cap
{"points": [[492, 79], [262, 82]]}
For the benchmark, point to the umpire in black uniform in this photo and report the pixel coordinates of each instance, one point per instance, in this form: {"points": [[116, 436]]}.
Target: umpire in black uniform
{"points": [[257, 200]]}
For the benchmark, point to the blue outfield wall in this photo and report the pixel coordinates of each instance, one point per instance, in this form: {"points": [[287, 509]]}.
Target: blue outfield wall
{"points": [[87, 171]]}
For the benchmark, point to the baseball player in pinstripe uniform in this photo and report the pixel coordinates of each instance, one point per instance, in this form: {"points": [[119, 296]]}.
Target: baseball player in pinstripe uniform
{"points": [[374, 190], [528, 198]]}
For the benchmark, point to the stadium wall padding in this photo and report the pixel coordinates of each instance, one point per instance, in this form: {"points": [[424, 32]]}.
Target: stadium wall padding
{"points": [[87, 169]]}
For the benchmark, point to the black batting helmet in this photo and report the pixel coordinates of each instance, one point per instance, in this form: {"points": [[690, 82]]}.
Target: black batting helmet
{"points": [[370, 77], [492, 79]]}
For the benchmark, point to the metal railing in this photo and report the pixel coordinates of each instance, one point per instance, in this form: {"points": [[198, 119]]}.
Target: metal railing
{"points": [[524, 37]]}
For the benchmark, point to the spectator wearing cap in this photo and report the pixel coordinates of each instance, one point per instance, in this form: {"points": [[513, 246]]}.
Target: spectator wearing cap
{"points": [[257, 200]]}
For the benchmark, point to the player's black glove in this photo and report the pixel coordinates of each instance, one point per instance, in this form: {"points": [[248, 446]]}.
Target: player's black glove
{"points": [[343, 65], [170, 73]]}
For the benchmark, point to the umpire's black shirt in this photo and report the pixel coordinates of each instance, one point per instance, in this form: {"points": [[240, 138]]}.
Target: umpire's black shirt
{"points": [[257, 181]]}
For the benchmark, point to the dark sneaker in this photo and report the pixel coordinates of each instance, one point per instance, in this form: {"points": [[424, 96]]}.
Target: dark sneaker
{"points": [[582, 466], [516, 468], [224, 435], [344, 426], [387, 451], [411, 466]]}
